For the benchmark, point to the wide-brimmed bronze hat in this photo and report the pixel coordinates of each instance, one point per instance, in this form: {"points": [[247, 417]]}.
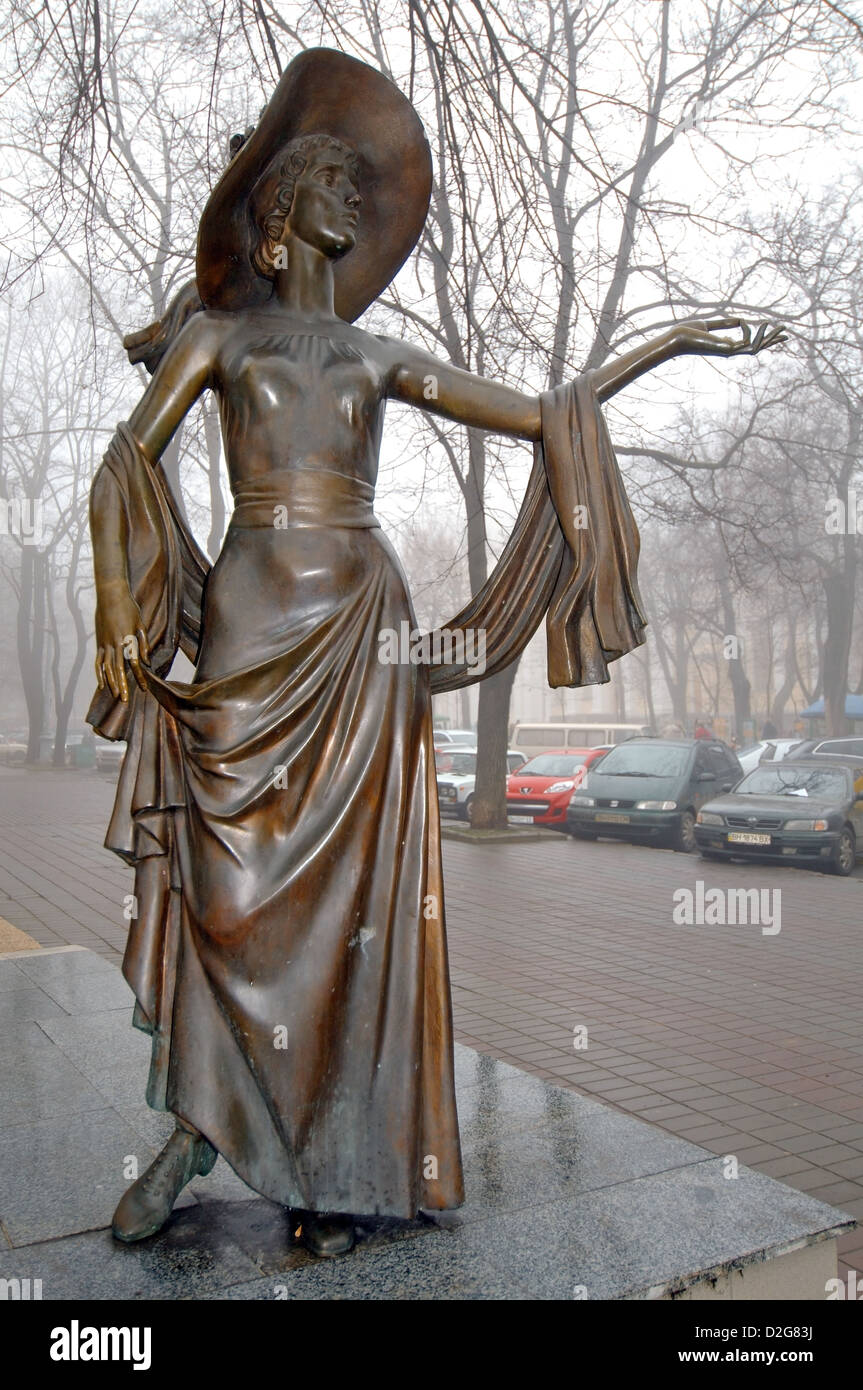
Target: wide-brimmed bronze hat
{"points": [[328, 93]]}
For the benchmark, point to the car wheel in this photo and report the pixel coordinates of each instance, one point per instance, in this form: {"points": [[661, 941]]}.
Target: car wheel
{"points": [[683, 838], [844, 854], [465, 815]]}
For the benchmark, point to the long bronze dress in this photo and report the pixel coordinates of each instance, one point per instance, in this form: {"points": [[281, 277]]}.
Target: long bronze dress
{"points": [[288, 955]]}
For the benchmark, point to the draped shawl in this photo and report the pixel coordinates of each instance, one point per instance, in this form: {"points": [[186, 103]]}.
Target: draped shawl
{"points": [[571, 557]]}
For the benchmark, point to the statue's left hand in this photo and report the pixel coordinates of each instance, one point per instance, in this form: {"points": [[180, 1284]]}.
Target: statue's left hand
{"points": [[121, 639], [701, 336]]}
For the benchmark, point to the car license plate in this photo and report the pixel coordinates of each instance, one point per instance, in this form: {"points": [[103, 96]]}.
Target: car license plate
{"points": [[519, 820], [738, 837], [610, 816]]}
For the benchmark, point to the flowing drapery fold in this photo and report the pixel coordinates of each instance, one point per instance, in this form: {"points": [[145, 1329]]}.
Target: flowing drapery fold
{"points": [[571, 557], [287, 950]]}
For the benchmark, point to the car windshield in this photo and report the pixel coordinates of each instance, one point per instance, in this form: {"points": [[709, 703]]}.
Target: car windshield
{"points": [[459, 764], [794, 780], [643, 760], [552, 765]]}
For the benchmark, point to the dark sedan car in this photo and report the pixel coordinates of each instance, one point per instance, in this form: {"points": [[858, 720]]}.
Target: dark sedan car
{"points": [[651, 788], [808, 810]]}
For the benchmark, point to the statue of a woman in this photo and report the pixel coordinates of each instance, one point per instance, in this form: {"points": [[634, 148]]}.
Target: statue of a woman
{"points": [[288, 951]]}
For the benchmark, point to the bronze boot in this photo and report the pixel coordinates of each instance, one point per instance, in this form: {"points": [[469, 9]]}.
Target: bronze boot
{"points": [[146, 1205], [327, 1234]]}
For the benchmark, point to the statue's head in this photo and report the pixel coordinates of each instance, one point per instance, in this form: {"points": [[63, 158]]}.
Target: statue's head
{"points": [[285, 183], [308, 191]]}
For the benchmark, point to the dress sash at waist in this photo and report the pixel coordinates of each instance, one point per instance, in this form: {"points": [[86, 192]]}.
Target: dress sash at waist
{"points": [[304, 497]]}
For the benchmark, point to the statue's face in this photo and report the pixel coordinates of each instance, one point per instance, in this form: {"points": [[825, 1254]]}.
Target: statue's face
{"points": [[326, 206]]}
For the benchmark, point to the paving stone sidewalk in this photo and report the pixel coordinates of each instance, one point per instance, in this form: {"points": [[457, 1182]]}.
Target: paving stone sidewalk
{"points": [[743, 1043]]}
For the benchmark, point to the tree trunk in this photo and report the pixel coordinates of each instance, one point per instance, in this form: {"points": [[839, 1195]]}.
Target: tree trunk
{"points": [[489, 798], [839, 590], [740, 685], [213, 437], [61, 720], [31, 645], [780, 700], [648, 690], [65, 699], [464, 707], [675, 667], [170, 461], [620, 696]]}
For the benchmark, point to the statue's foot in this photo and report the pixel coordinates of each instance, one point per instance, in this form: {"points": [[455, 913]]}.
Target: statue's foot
{"points": [[328, 1233], [146, 1205]]}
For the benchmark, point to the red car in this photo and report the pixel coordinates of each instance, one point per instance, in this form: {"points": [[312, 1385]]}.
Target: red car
{"points": [[539, 792]]}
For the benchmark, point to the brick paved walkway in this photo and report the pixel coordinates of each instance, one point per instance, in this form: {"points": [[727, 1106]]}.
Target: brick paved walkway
{"points": [[57, 881], [747, 1044]]}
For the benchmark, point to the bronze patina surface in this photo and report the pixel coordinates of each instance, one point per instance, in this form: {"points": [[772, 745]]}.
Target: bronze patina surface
{"points": [[289, 954]]}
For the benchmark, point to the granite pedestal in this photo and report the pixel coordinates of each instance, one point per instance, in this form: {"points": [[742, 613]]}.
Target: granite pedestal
{"points": [[567, 1198]]}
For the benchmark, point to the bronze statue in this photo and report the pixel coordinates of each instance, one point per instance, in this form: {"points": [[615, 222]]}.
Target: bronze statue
{"points": [[288, 954]]}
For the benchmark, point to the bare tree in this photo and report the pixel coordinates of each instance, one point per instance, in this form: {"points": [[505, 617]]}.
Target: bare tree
{"points": [[53, 401], [555, 236]]}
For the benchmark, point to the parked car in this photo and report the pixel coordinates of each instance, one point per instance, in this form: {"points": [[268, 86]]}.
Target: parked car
{"points": [[109, 755], [457, 778], [539, 792], [767, 750], [13, 751], [850, 746], [803, 810], [652, 789], [454, 738]]}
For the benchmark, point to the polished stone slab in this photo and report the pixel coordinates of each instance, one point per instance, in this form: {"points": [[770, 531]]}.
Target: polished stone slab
{"points": [[62, 1176], [556, 1161], [189, 1260], [26, 1005], [62, 963], [431, 1268], [654, 1235], [37, 1081], [566, 1198], [11, 977], [96, 1040], [89, 993]]}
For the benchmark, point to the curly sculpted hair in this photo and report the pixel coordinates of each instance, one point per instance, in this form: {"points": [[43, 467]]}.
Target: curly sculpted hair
{"points": [[273, 194]]}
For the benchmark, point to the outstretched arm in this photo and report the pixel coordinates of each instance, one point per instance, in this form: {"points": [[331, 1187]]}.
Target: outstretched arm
{"points": [[694, 336], [422, 380], [182, 375]]}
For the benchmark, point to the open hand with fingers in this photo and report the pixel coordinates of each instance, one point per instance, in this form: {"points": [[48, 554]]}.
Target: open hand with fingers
{"points": [[701, 336], [121, 640]]}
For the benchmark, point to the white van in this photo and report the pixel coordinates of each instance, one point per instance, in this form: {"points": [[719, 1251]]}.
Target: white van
{"points": [[538, 738]]}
